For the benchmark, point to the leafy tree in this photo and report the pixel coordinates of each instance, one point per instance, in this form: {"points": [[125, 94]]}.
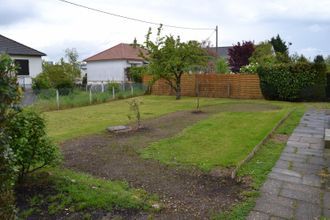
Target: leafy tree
{"points": [[135, 73], [327, 62], [134, 106], [279, 45], [29, 142], [222, 66], [169, 58], [239, 55], [263, 54], [9, 95]]}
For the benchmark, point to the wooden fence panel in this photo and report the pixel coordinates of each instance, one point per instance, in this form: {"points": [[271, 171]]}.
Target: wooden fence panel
{"points": [[241, 86]]}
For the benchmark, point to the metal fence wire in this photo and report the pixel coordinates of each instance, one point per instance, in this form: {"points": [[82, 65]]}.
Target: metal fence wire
{"points": [[63, 98]]}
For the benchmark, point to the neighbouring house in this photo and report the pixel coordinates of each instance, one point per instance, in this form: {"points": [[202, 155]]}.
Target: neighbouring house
{"points": [[28, 60], [112, 64], [223, 52]]}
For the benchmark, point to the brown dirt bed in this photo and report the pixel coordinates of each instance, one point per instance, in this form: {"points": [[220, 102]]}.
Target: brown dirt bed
{"points": [[185, 192]]}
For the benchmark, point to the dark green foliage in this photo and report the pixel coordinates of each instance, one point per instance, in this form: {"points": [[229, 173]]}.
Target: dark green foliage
{"points": [[169, 58], [84, 81], [9, 94], [29, 142], [279, 45], [328, 86], [319, 89], [135, 73], [286, 81]]}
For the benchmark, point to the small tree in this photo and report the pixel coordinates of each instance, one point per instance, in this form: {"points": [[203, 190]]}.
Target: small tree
{"points": [[134, 105], [239, 55], [279, 45], [169, 58]]}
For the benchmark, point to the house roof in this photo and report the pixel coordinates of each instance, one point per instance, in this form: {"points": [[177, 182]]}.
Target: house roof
{"points": [[12, 47], [119, 52], [222, 51]]}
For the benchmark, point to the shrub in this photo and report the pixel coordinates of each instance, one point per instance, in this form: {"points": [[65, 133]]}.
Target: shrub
{"points": [[319, 89], [40, 82], [251, 68], [135, 73], [114, 85], [328, 85], [29, 142], [9, 95], [286, 81], [222, 66]]}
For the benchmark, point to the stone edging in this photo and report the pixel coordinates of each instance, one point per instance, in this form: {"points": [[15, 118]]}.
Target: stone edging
{"points": [[257, 147]]}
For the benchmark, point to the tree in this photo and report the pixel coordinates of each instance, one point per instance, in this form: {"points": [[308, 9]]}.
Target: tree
{"points": [[9, 95], [73, 63], [279, 45], [169, 58], [263, 54], [239, 55]]}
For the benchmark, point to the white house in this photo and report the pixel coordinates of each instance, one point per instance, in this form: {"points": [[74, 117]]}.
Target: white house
{"points": [[28, 59], [111, 64]]}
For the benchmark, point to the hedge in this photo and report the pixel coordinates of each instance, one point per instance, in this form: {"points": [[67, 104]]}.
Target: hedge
{"points": [[292, 82]]}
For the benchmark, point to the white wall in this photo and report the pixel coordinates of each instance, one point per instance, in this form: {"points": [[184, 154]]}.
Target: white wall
{"points": [[35, 67], [108, 70]]}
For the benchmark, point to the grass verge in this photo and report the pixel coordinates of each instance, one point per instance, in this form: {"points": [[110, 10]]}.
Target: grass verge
{"points": [[259, 167], [57, 192], [221, 140]]}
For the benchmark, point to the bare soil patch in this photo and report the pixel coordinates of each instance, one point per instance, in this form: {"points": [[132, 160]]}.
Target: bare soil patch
{"points": [[186, 192]]}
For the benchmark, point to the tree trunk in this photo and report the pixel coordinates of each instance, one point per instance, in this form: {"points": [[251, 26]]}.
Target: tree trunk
{"points": [[178, 88]]}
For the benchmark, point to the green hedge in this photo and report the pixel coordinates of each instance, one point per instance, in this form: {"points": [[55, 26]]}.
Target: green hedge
{"points": [[328, 86], [292, 82]]}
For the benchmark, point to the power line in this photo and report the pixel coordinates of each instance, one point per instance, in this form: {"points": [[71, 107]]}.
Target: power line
{"points": [[133, 19]]}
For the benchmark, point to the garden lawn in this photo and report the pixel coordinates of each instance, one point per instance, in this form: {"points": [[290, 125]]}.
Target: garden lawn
{"points": [[221, 140], [76, 122]]}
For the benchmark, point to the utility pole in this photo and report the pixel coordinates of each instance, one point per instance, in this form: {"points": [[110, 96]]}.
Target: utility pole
{"points": [[216, 40]]}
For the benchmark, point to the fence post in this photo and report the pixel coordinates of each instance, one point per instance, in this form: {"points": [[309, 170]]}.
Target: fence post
{"points": [[90, 96], [57, 99], [132, 89], [102, 87], [113, 92]]}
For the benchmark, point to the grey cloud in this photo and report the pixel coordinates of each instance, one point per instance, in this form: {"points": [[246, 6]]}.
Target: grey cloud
{"points": [[12, 12]]}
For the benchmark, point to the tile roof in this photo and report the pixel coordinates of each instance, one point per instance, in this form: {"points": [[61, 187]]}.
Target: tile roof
{"points": [[119, 52], [222, 51], [12, 47]]}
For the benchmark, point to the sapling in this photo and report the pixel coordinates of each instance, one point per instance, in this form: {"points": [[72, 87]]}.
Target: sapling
{"points": [[135, 109]]}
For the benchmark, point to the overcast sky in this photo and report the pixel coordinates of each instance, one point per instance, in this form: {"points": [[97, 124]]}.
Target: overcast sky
{"points": [[52, 26]]}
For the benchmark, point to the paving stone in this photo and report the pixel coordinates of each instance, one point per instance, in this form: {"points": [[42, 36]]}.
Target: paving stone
{"points": [[277, 218], [254, 215], [287, 172], [301, 187], [316, 160], [312, 180], [274, 209], [282, 164], [297, 144], [284, 177], [280, 200], [306, 196], [272, 187], [307, 211], [326, 213], [293, 159], [326, 200], [311, 140]]}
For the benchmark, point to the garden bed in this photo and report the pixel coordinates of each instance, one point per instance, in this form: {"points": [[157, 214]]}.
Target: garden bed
{"points": [[181, 188]]}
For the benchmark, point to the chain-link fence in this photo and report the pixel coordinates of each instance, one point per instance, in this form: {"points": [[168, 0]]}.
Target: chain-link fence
{"points": [[56, 99]]}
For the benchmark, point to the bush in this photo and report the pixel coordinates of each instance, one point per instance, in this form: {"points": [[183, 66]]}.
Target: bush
{"points": [[328, 85], [222, 66], [40, 82], [286, 81], [135, 73], [9, 95], [251, 68], [114, 85], [29, 142]]}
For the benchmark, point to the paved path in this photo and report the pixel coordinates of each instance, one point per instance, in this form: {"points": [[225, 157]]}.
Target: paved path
{"points": [[28, 97], [294, 188]]}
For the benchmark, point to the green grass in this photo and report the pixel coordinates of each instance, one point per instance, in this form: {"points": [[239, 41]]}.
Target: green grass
{"points": [[259, 167], [76, 122], [221, 140], [77, 192]]}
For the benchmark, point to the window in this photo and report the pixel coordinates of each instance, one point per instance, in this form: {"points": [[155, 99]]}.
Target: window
{"points": [[22, 67]]}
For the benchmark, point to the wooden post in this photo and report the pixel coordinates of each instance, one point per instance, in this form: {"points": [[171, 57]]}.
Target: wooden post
{"points": [[132, 89], [57, 99], [113, 92], [90, 96]]}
